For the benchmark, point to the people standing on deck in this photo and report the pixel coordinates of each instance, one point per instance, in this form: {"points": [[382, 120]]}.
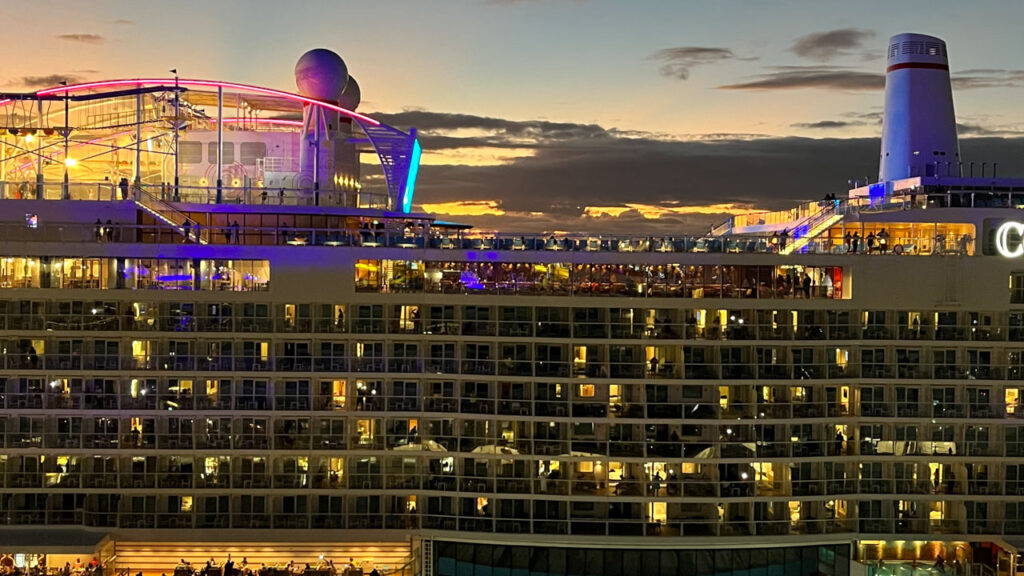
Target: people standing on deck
{"points": [[783, 238], [883, 241], [234, 231], [847, 241], [99, 230], [806, 284], [854, 243], [962, 244], [871, 242], [186, 227]]}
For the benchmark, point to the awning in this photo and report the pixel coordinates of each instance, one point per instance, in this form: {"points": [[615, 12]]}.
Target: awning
{"points": [[36, 540]]}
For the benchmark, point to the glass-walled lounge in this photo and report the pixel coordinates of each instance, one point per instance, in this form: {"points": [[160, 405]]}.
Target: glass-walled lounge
{"points": [[904, 238], [463, 558], [134, 273], [647, 280]]}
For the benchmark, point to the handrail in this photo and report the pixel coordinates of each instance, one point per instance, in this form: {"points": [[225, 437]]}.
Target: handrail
{"points": [[171, 231], [815, 225], [169, 214]]}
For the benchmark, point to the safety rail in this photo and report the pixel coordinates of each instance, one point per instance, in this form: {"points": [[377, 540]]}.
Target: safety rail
{"points": [[691, 449], [164, 212], [696, 520], [815, 225], [668, 365], [173, 232]]}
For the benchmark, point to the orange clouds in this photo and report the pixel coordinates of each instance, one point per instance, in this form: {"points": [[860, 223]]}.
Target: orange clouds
{"points": [[656, 211], [465, 208]]}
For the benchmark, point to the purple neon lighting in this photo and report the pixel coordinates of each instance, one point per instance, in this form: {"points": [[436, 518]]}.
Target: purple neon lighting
{"points": [[208, 84]]}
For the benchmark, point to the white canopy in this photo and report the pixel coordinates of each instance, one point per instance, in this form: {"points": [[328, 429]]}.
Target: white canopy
{"points": [[428, 446]]}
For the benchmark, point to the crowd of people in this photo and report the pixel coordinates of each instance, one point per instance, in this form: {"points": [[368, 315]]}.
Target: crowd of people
{"points": [[91, 568], [325, 567]]}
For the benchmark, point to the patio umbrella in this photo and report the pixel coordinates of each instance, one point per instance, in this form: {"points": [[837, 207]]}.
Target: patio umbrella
{"points": [[428, 446], [494, 449]]}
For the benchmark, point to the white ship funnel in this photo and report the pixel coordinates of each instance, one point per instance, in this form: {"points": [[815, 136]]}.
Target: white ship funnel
{"points": [[919, 126]]}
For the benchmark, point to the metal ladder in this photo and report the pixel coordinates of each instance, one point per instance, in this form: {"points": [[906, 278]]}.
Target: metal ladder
{"points": [[426, 557]]}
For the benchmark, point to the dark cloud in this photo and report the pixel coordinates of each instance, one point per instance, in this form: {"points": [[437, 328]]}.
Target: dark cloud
{"points": [[677, 62], [47, 81], [980, 130], [576, 166], [873, 117], [824, 46], [819, 77], [826, 124], [83, 38], [987, 78], [123, 21], [434, 127]]}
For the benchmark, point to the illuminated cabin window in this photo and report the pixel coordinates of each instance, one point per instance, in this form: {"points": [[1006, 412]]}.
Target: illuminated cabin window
{"points": [[402, 276], [80, 272], [234, 275], [389, 276], [159, 274], [339, 318], [19, 272], [368, 275], [333, 393], [1017, 287]]}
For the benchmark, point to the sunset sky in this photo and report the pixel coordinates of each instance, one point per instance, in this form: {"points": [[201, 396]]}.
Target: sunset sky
{"points": [[540, 115]]}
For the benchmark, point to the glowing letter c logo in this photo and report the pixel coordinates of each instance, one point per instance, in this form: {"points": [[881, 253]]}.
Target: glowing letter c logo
{"points": [[1003, 239]]}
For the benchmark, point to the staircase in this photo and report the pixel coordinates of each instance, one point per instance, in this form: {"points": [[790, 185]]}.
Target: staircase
{"points": [[814, 226], [164, 212]]}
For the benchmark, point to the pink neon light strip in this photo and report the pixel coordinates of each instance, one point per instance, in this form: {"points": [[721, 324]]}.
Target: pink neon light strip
{"points": [[208, 84]]}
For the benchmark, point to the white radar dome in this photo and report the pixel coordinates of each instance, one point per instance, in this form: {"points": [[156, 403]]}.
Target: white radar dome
{"points": [[321, 74], [351, 97]]}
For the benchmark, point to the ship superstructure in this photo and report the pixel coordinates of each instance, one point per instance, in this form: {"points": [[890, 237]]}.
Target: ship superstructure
{"points": [[222, 333]]}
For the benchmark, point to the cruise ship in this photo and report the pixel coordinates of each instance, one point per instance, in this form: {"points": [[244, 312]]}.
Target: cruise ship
{"points": [[226, 330]]}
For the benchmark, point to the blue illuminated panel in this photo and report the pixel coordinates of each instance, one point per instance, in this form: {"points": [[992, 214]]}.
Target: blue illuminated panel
{"points": [[410, 179]]}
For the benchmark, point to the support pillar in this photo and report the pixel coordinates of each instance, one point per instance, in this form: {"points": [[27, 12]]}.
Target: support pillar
{"points": [[220, 144]]}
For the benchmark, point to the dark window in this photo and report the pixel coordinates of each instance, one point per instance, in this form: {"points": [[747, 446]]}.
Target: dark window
{"points": [[229, 152], [190, 152], [252, 151]]}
